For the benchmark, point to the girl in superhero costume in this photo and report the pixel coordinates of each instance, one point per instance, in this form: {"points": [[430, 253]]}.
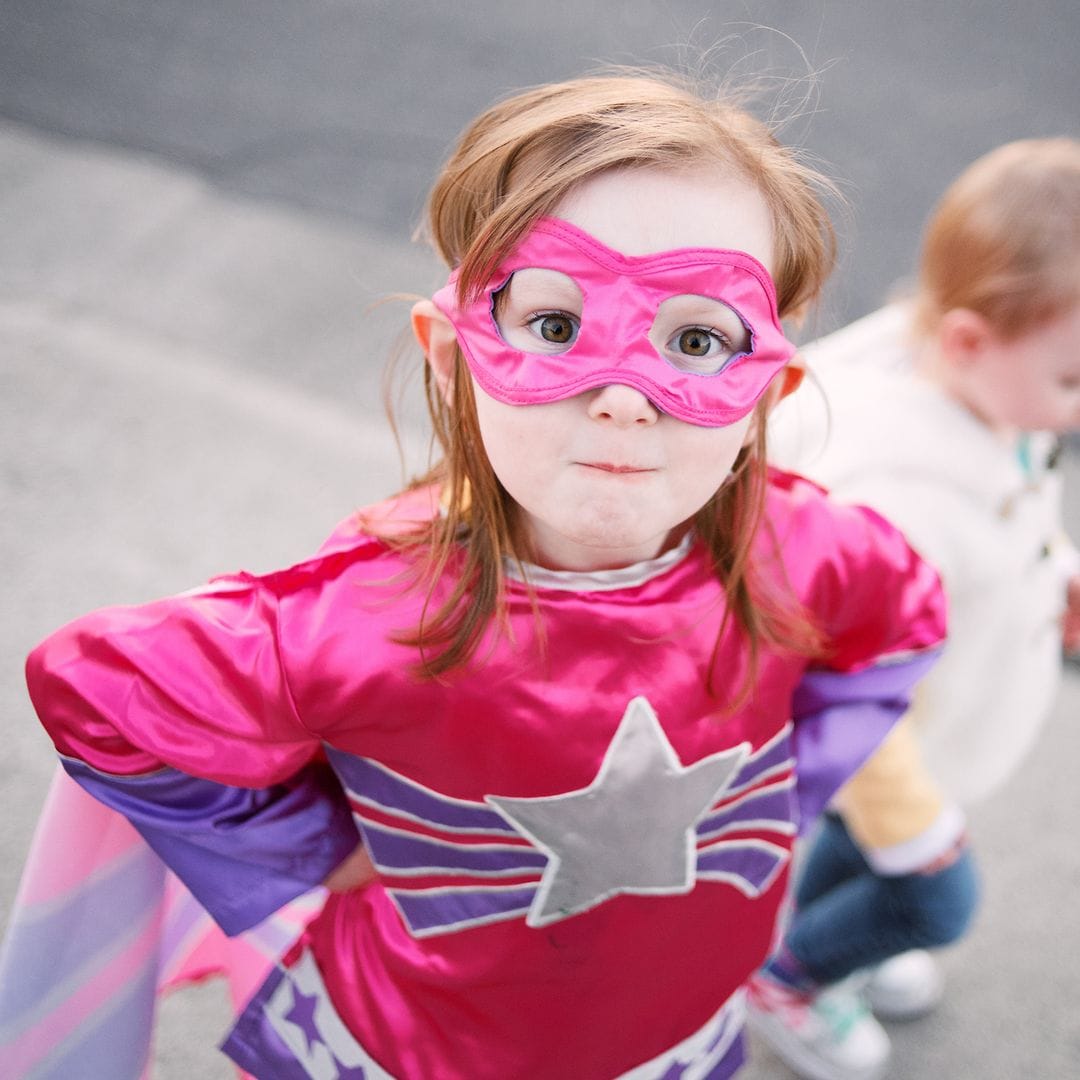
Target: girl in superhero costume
{"points": [[546, 723]]}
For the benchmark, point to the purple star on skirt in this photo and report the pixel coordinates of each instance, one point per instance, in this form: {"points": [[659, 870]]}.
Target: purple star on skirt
{"points": [[302, 1014]]}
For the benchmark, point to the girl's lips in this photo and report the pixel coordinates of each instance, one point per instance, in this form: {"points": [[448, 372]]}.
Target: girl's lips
{"points": [[610, 467]]}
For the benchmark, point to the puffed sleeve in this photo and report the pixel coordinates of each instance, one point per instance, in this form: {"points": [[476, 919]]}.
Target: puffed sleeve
{"points": [[178, 714], [883, 611]]}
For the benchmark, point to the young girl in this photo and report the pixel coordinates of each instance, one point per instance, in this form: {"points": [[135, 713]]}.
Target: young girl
{"points": [[576, 688], [942, 413]]}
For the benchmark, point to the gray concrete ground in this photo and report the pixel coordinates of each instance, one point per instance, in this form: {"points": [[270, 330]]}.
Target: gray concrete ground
{"points": [[198, 207]]}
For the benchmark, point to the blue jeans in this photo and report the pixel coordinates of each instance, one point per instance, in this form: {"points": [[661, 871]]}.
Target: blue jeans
{"points": [[848, 917]]}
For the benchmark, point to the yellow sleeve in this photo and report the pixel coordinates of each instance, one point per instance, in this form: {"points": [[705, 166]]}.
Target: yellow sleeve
{"points": [[892, 799]]}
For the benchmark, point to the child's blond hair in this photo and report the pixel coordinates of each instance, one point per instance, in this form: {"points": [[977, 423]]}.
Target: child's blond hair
{"points": [[1004, 239], [514, 164]]}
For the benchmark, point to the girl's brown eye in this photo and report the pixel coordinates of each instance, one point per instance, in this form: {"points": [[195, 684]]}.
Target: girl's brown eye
{"points": [[698, 334], [557, 329], [695, 342]]}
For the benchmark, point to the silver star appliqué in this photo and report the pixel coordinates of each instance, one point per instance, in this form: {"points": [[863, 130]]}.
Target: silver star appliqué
{"points": [[632, 830]]}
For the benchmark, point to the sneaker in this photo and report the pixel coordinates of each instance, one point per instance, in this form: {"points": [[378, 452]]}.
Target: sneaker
{"points": [[830, 1035], [906, 986]]}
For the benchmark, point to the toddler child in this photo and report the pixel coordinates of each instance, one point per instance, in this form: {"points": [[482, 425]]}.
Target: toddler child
{"points": [[942, 413]]}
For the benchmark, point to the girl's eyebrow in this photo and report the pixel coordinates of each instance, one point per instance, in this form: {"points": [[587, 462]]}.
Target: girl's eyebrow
{"points": [[529, 292]]}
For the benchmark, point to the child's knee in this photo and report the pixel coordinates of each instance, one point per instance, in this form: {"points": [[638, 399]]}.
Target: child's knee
{"points": [[940, 907], [947, 924]]}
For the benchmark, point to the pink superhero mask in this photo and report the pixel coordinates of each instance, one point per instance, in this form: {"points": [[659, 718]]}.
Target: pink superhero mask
{"points": [[694, 329]]}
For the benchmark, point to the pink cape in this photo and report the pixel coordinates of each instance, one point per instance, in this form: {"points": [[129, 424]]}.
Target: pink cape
{"points": [[97, 904]]}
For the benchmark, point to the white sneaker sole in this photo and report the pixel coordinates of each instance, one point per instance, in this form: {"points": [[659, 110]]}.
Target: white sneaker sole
{"points": [[906, 987], [803, 1060]]}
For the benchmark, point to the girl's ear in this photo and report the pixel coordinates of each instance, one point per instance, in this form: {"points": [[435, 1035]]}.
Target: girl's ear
{"points": [[963, 336], [435, 335], [786, 381]]}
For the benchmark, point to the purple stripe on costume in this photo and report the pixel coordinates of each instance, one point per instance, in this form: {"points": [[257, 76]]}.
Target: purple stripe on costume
{"points": [[290, 1028], [841, 718], [393, 850], [435, 910], [254, 1044], [754, 865], [730, 1063], [732, 1059], [768, 758], [774, 807], [367, 780], [116, 1046], [82, 933]]}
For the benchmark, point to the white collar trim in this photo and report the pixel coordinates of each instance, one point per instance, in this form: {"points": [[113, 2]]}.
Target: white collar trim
{"points": [[624, 577]]}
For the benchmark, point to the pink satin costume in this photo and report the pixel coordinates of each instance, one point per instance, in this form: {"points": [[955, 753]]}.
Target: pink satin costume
{"points": [[580, 854]]}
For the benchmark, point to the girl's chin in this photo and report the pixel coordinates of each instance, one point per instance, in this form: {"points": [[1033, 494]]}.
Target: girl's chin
{"points": [[608, 549]]}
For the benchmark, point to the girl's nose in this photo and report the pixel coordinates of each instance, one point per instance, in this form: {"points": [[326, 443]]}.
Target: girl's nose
{"points": [[622, 405]]}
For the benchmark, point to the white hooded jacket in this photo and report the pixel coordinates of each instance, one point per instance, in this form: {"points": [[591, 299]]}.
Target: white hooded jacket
{"points": [[984, 510]]}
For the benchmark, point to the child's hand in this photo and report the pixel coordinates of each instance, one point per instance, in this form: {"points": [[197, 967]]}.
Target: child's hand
{"points": [[355, 870], [1071, 623]]}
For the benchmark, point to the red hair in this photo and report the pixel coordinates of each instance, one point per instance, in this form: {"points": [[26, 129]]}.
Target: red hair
{"points": [[514, 164], [1004, 239]]}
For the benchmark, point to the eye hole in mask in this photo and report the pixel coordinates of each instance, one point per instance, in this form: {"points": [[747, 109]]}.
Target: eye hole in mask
{"points": [[540, 312], [698, 334]]}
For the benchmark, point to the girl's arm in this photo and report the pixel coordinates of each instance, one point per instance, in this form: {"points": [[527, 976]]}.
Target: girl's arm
{"points": [[178, 714], [355, 872]]}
